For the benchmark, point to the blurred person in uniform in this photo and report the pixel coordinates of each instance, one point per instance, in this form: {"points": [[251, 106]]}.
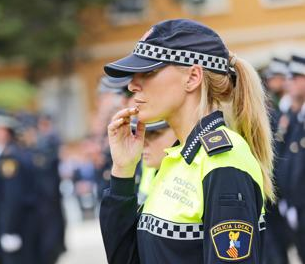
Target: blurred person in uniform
{"points": [[283, 219], [50, 216], [17, 198], [295, 178], [275, 80], [158, 137], [85, 178], [116, 89], [277, 243]]}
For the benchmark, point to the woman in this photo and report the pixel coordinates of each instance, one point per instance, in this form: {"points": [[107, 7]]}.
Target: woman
{"points": [[158, 136], [207, 200]]}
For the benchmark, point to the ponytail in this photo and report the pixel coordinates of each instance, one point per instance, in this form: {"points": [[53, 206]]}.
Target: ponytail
{"points": [[246, 112], [252, 120]]}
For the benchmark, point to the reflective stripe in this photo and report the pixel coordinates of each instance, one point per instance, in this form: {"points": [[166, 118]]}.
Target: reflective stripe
{"points": [[262, 223], [171, 230]]}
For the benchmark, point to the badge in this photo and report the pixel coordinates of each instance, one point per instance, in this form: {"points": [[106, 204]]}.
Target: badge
{"points": [[9, 168], [39, 160], [216, 142], [232, 240], [294, 147], [146, 35]]}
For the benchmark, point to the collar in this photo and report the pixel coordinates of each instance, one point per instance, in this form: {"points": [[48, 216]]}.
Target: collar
{"points": [[205, 125]]}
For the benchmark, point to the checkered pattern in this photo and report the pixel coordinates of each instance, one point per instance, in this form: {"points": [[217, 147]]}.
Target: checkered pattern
{"points": [[167, 229], [185, 57], [205, 130]]}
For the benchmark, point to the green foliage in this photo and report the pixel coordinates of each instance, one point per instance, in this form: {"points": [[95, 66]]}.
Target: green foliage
{"points": [[39, 30], [16, 94]]}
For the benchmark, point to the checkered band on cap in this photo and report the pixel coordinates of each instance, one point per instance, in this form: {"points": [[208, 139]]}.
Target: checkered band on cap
{"points": [[217, 64], [168, 229]]}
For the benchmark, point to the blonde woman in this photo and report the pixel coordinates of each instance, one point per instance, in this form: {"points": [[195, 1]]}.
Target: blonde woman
{"points": [[207, 200]]}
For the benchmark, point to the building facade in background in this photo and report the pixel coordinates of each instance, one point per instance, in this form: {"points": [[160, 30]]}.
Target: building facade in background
{"points": [[254, 29]]}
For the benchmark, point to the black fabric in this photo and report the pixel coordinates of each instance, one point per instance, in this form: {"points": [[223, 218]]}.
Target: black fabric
{"points": [[222, 188], [17, 204], [158, 250], [118, 222], [122, 186]]}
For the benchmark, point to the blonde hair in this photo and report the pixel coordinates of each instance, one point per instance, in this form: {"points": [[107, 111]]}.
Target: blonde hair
{"points": [[245, 111]]}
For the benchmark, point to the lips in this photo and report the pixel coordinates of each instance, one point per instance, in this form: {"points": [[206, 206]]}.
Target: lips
{"points": [[139, 101]]}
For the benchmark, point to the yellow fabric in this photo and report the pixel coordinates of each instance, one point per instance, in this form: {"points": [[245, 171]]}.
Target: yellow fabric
{"points": [[177, 188], [148, 175]]}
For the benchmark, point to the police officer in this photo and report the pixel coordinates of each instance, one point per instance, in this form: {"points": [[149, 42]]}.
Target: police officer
{"points": [[275, 77], [16, 197], [115, 88], [158, 137], [295, 177], [208, 195], [278, 236], [51, 223]]}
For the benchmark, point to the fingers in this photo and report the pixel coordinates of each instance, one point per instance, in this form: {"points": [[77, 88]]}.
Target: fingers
{"points": [[116, 124], [140, 132], [127, 112]]}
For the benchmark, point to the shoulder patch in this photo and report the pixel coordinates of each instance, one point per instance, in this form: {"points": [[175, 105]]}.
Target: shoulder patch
{"points": [[216, 142], [9, 168], [232, 240]]}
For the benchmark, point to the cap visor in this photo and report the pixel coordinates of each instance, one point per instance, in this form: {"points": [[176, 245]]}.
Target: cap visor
{"points": [[130, 65]]}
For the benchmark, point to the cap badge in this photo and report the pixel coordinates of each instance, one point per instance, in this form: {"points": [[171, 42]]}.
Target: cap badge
{"points": [[146, 35]]}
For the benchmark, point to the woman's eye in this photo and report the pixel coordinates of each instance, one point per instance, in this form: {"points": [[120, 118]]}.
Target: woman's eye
{"points": [[151, 73]]}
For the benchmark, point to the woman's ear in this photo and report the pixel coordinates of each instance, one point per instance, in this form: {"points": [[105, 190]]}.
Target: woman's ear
{"points": [[195, 78]]}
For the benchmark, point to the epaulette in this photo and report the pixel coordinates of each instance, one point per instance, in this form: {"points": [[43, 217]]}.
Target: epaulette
{"points": [[216, 142]]}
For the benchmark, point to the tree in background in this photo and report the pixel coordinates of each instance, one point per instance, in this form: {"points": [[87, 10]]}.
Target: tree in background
{"points": [[40, 31]]}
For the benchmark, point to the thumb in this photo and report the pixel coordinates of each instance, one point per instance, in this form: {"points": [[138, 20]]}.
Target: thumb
{"points": [[140, 132]]}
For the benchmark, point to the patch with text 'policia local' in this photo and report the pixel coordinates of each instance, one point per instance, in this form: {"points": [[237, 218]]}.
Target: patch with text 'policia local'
{"points": [[216, 142], [232, 240]]}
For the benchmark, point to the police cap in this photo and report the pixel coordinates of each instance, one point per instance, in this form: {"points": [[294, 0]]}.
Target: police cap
{"points": [[150, 126], [180, 41], [297, 65]]}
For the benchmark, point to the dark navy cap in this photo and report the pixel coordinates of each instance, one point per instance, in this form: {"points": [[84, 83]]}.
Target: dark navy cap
{"points": [[276, 67], [150, 126], [180, 41], [297, 65], [111, 84]]}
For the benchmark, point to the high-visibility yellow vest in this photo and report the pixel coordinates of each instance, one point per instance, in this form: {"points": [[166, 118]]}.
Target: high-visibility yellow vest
{"points": [[177, 188]]}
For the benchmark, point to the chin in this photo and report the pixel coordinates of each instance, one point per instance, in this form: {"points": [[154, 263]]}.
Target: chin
{"points": [[147, 118]]}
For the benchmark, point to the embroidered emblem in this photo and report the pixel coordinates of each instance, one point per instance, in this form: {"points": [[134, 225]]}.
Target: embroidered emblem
{"points": [[39, 160], [215, 139], [216, 142], [9, 168], [146, 35], [232, 240]]}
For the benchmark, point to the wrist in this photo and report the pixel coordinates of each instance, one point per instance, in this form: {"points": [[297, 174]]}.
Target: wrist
{"points": [[123, 172], [122, 186]]}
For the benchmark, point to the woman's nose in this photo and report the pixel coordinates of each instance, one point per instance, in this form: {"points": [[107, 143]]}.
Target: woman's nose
{"points": [[136, 84], [146, 142]]}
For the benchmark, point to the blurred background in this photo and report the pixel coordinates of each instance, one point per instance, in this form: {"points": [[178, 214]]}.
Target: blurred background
{"points": [[52, 54]]}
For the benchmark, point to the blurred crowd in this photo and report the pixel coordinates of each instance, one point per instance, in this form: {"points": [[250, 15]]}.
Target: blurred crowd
{"points": [[285, 82], [37, 170]]}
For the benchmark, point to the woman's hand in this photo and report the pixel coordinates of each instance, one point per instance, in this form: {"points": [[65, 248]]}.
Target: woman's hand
{"points": [[125, 147]]}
